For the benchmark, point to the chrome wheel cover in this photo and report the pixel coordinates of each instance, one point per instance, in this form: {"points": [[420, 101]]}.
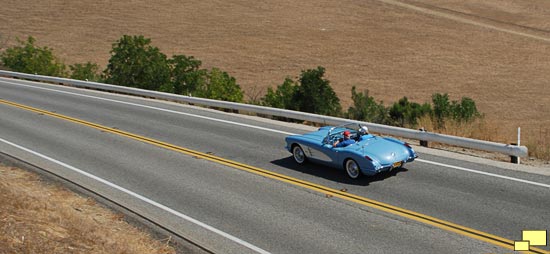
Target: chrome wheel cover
{"points": [[299, 155], [352, 169]]}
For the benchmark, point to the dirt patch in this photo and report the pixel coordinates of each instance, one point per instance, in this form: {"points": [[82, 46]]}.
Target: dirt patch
{"points": [[38, 217], [392, 50]]}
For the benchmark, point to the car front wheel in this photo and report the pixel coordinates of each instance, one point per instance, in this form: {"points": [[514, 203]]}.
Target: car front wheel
{"points": [[353, 169], [298, 154]]}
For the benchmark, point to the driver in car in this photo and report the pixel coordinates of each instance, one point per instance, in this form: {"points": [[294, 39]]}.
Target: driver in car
{"points": [[345, 142]]}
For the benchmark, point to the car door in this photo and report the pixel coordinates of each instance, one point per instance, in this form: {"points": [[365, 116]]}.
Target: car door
{"points": [[337, 153], [323, 153]]}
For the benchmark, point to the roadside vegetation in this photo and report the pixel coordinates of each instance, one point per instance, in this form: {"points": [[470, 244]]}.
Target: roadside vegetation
{"points": [[135, 62], [40, 217]]}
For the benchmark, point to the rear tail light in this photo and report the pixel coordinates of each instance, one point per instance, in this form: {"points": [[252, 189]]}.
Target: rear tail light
{"points": [[368, 158], [408, 145]]}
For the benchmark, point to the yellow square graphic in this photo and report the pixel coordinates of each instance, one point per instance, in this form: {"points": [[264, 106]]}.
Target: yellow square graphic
{"points": [[521, 245], [535, 237]]}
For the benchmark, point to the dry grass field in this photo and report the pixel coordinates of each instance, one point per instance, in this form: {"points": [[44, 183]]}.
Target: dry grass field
{"points": [[495, 51], [37, 217]]}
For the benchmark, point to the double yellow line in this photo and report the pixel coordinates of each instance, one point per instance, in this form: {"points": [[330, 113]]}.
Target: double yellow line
{"points": [[469, 232]]}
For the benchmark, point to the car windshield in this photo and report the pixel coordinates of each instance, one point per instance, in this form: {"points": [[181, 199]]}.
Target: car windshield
{"points": [[352, 127], [336, 133]]}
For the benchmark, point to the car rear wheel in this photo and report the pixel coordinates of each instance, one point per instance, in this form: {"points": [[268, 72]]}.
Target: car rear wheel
{"points": [[298, 154], [352, 169]]}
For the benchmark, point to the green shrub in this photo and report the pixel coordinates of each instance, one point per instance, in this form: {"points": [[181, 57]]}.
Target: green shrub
{"points": [[135, 63], [442, 108], [315, 95], [404, 113], [88, 71], [463, 111], [219, 85], [187, 76], [282, 97], [29, 58], [311, 94], [365, 108]]}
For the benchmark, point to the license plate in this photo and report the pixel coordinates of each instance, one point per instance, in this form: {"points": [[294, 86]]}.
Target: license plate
{"points": [[397, 164]]}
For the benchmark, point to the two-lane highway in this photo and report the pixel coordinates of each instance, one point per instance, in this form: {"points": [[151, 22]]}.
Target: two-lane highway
{"points": [[249, 211]]}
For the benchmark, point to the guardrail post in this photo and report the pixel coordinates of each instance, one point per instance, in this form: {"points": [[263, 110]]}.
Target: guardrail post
{"points": [[514, 159], [423, 143]]}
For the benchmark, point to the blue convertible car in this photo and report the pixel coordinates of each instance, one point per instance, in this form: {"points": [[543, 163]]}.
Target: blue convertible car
{"points": [[368, 155]]}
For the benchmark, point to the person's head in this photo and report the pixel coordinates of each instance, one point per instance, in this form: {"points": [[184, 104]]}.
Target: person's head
{"points": [[347, 134], [364, 130]]}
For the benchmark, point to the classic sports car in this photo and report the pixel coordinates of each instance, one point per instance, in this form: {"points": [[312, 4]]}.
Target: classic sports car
{"points": [[369, 154]]}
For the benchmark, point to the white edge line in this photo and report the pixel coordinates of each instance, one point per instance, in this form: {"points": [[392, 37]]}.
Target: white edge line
{"points": [[271, 130], [142, 198], [485, 173]]}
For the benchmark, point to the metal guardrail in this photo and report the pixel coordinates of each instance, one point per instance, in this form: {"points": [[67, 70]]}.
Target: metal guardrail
{"points": [[512, 150]]}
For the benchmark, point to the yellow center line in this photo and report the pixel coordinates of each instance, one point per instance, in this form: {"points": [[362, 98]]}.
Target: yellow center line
{"points": [[449, 226]]}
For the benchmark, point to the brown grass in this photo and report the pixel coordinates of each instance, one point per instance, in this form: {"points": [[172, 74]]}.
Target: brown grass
{"points": [[477, 129], [391, 50], [36, 217], [538, 143]]}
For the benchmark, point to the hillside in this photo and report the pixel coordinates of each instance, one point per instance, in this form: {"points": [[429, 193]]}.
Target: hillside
{"points": [[496, 52]]}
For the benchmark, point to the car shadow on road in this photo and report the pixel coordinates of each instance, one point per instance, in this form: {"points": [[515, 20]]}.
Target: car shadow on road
{"points": [[334, 174]]}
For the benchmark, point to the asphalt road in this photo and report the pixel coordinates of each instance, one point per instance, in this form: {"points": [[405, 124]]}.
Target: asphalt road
{"points": [[268, 214]]}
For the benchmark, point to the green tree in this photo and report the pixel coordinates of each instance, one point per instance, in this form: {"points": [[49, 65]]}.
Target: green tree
{"points": [[366, 109], [220, 85], [405, 113], [29, 58], [187, 76], [88, 71], [135, 63], [282, 97], [315, 95]]}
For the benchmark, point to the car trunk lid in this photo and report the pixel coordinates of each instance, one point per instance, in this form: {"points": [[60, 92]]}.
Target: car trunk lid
{"points": [[386, 152]]}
